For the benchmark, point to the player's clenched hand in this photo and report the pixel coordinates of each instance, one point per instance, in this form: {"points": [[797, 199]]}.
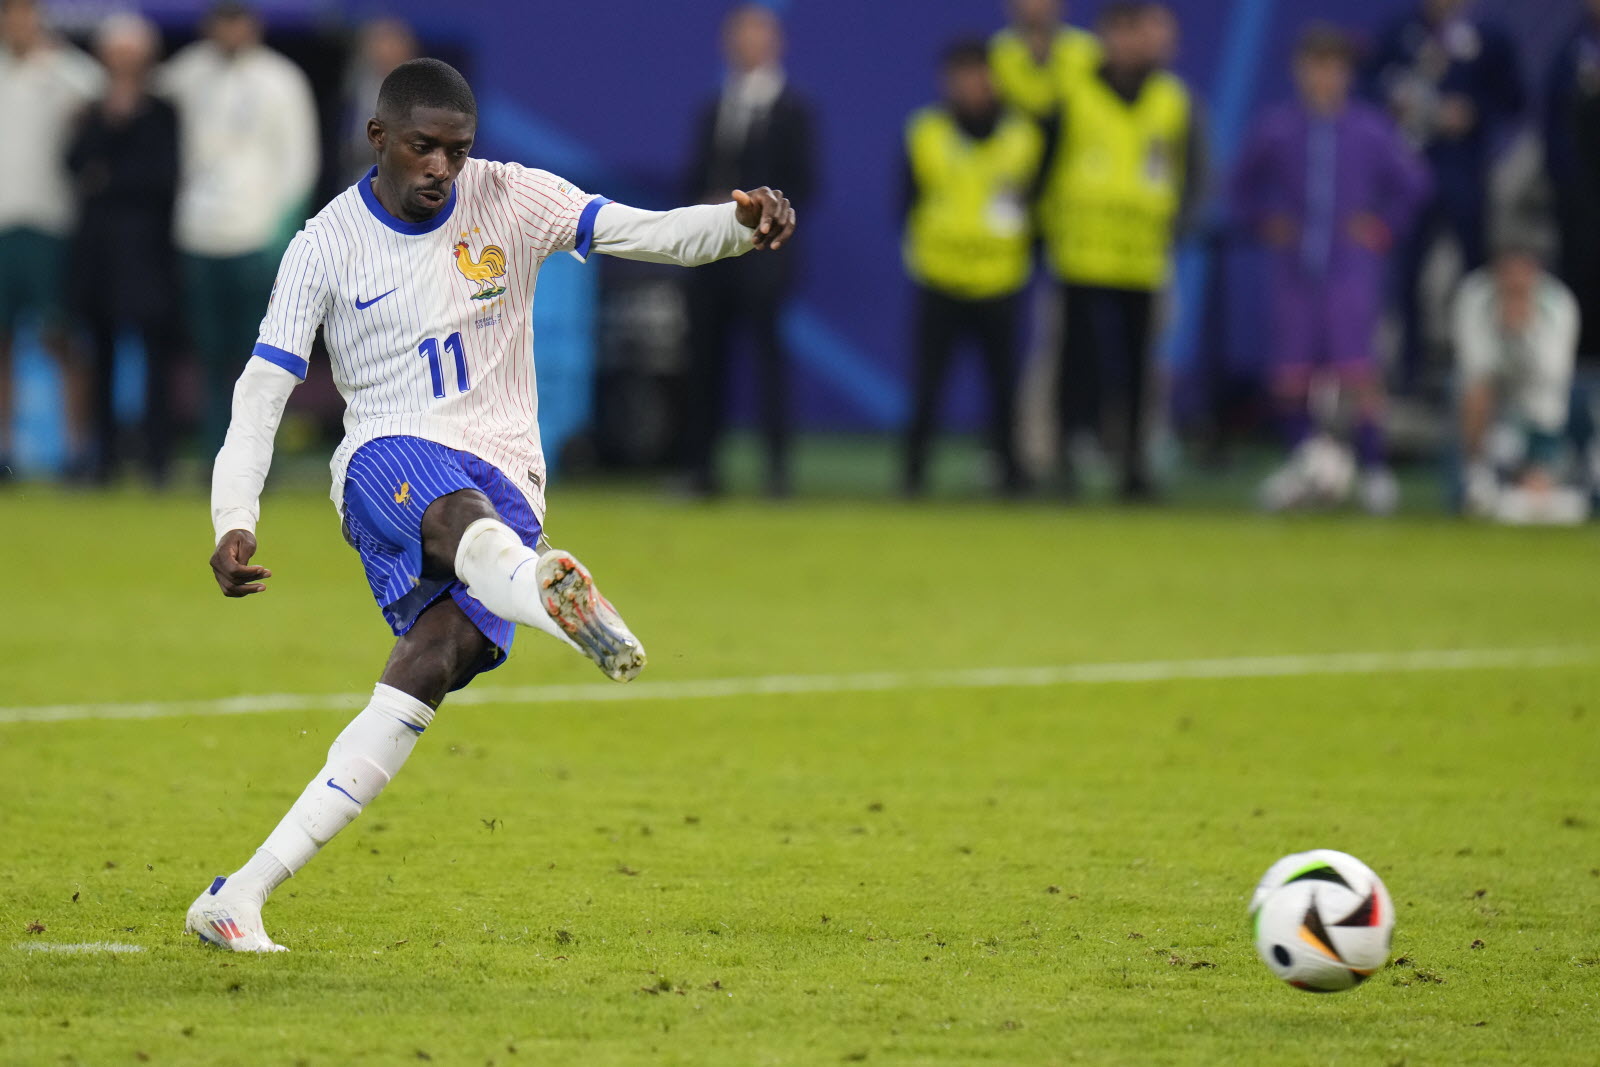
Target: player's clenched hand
{"points": [[767, 212], [231, 564]]}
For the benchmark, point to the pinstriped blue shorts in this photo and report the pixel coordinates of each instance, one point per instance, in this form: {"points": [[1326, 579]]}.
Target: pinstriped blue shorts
{"points": [[389, 484]]}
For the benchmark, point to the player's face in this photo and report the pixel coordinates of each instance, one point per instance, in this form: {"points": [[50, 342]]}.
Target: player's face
{"points": [[420, 158]]}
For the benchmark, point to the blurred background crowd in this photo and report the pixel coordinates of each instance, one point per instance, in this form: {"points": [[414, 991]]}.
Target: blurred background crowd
{"points": [[1325, 254]]}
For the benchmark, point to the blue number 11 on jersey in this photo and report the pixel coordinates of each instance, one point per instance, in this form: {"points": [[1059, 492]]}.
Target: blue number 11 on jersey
{"points": [[453, 345]]}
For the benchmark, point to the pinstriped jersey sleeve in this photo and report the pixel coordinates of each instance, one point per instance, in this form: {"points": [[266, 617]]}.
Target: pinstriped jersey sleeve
{"points": [[299, 301], [555, 215]]}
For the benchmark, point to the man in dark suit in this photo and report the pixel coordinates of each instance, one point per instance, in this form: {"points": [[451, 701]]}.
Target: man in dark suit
{"points": [[756, 131], [124, 267]]}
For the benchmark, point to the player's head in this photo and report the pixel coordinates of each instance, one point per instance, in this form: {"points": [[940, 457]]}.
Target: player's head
{"points": [[964, 74], [1324, 63], [1035, 14], [1122, 26], [427, 120], [233, 26], [752, 37], [21, 25]]}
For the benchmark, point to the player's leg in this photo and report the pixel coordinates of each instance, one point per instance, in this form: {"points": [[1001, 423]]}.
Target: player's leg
{"points": [[427, 519], [442, 649], [463, 535]]}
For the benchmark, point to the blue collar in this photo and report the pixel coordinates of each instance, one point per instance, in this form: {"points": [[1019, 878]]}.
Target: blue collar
{"points": [[411, 229]]}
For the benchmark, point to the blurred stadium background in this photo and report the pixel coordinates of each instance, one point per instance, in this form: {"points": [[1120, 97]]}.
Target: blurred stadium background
{"points": [[614, 110]]}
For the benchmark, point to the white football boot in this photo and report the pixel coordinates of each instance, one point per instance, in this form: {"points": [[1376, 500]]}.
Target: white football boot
{"points": [[588, 618], [228, 920]]}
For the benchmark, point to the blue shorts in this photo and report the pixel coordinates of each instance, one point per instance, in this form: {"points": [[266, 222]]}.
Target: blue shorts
{"points": [[389, 484]]}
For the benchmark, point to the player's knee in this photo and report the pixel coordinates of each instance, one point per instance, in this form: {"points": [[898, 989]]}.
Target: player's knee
{"points": [[444, 522]]}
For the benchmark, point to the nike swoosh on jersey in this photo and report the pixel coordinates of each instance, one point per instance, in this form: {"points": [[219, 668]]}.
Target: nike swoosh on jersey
{"points": [[362, 305]]}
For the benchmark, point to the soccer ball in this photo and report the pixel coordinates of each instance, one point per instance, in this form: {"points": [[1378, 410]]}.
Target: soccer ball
{"points": [[1323, 921]]}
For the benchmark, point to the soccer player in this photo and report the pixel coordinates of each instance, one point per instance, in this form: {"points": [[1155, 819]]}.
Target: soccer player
{"points": [[422, 277]]}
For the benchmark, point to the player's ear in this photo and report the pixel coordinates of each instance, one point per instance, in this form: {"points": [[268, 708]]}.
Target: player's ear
{"points": [[375, 134]]}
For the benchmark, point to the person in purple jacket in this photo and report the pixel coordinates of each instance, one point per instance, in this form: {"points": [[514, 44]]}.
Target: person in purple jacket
{"points": [[1329, 185]]}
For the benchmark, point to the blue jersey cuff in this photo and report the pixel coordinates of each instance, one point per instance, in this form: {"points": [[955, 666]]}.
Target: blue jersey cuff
{"points": [[280, 358], [585, 237]]}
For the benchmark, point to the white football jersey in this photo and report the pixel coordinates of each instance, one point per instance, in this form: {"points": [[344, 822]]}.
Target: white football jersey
{"points": [[429, 325]]}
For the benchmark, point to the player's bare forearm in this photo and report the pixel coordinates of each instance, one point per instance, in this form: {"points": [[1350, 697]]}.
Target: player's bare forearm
{"points": [[767, 212], [230, 565]]}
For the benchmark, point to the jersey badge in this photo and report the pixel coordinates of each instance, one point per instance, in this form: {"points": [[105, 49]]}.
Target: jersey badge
{"points": [[483, 270], [403, 494]]}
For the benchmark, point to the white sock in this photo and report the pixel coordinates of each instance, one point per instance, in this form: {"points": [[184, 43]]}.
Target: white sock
{"points": [[361, 760], [500, 572], [261, 874]]}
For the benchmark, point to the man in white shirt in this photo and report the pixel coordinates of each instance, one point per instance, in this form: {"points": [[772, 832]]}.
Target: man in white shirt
{"points": [[421, 277], [1515, 328], [44, 84], [249, 161]]}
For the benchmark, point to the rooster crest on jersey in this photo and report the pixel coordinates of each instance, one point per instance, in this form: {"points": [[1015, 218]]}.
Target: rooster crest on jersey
{"points": [[482, 270]]}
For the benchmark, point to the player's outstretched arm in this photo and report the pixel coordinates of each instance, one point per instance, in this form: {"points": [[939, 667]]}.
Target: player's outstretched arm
{"points": [[241, 471], [761, 219]]}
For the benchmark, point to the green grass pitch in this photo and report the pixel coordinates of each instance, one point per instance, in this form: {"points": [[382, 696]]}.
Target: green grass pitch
{"points": [[1008, 875]]}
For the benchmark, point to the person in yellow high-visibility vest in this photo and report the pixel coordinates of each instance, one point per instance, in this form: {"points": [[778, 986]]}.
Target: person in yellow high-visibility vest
{"points": [[972, 167], [1037, 56], [1121, 174]]}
